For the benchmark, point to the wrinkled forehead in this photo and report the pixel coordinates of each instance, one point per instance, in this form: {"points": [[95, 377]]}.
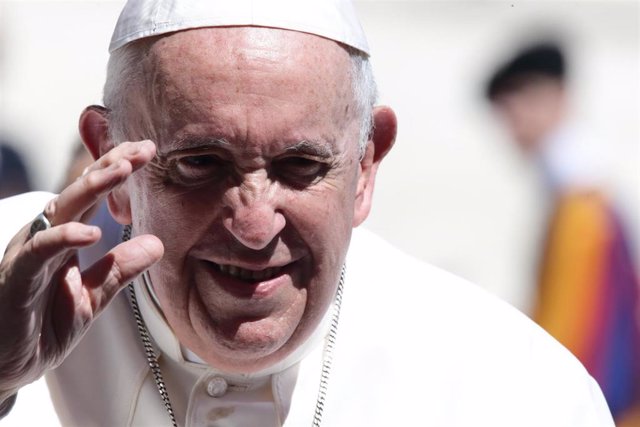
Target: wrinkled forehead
{"points": [[223, 73], [241, 49], [226, 62]]}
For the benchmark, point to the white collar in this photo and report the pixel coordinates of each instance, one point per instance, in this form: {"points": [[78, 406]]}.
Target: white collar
{"points": [[569, 159]]}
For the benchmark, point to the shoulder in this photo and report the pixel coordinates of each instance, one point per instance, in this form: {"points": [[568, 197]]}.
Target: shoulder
{"points": [[397, 289], [382, 274], [454, 345]]}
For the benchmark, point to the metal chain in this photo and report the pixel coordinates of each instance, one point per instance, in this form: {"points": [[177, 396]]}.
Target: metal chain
{"points": [[327, 353], [146, 342]]}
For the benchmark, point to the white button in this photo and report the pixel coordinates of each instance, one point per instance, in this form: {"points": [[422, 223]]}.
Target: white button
{"points": [[217, 387]]}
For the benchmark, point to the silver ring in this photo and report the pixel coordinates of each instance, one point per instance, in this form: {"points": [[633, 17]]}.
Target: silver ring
{"points": [[41, 222]]}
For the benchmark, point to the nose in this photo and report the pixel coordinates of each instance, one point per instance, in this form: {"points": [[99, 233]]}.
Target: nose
{"points": [[252, 217]]}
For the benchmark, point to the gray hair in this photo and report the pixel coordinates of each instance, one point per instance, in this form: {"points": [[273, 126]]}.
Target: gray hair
{"points": [[125, 75], [365, 93]]}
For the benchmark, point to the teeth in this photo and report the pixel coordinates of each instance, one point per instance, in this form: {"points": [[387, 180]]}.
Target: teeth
{"points": [[246, 274]]}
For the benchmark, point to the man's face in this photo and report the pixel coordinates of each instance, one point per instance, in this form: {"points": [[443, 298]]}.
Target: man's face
{"points": [[532, 111], [252, 191]]}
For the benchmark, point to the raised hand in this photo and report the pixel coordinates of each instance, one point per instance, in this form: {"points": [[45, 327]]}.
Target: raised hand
{"points": [[46, 302]]}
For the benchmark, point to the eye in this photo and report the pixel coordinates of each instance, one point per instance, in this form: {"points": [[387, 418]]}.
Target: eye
{"points": [[199, 161], [198, 168], [300, 171]]}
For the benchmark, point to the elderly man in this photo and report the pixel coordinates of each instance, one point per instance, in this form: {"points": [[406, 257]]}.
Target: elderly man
{"points": [[256, 155]]}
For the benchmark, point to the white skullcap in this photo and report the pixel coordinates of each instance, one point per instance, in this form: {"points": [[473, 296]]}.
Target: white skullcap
{"points": [[333, 19]]}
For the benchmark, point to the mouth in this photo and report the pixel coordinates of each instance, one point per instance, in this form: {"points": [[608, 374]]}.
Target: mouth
{"points": [[248, 275], [251, 282]]}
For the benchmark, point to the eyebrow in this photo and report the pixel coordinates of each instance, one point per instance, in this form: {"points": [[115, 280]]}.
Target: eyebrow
{"points": [[197, 142], [191, 142], [310, 148]]}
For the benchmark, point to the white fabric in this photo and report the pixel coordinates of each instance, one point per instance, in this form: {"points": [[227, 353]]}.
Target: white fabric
{"points": [[333, 19], [570, 160], [25, 207], [415, 346]]}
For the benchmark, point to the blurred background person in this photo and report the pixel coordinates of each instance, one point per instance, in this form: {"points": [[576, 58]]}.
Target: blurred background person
{"points": [[14, 176], [79, 160], [587, 284]]}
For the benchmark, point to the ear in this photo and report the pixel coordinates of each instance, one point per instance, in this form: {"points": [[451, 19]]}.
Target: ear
{"points": [[94, 131], [383, 137]]}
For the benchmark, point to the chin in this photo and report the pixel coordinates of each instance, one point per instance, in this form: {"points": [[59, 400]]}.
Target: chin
{"points": [[251, 347]]}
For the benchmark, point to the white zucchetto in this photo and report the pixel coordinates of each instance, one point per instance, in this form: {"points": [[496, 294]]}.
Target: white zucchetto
{"points": [[332, 19]]}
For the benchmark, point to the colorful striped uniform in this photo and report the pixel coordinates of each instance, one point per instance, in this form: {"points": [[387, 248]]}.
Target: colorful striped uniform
{"points": [[588, 297]]}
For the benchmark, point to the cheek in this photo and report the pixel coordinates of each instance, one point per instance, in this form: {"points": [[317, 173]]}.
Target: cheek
{"points": [[177, 221], [325, 207], [322, 218], [326, 230], [175, 217]]}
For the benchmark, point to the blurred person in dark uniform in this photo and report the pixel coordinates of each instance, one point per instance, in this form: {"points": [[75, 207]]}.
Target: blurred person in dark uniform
{"points": [[587, 284], [14, 177]]}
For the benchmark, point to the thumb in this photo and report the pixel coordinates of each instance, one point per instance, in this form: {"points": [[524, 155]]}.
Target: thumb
{"points": [[117, 268]]}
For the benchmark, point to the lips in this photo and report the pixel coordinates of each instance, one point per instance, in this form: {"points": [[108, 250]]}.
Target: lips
{"points": [[257, 282]]}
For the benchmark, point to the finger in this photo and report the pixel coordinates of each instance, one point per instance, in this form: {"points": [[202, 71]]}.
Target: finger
{"points": [[85, 193], [37, 254], [130, 150], [65, 321], [116, 269], [102, 177]]}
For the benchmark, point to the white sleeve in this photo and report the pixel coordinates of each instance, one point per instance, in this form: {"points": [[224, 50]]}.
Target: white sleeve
{"points": [[16, 211]]}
